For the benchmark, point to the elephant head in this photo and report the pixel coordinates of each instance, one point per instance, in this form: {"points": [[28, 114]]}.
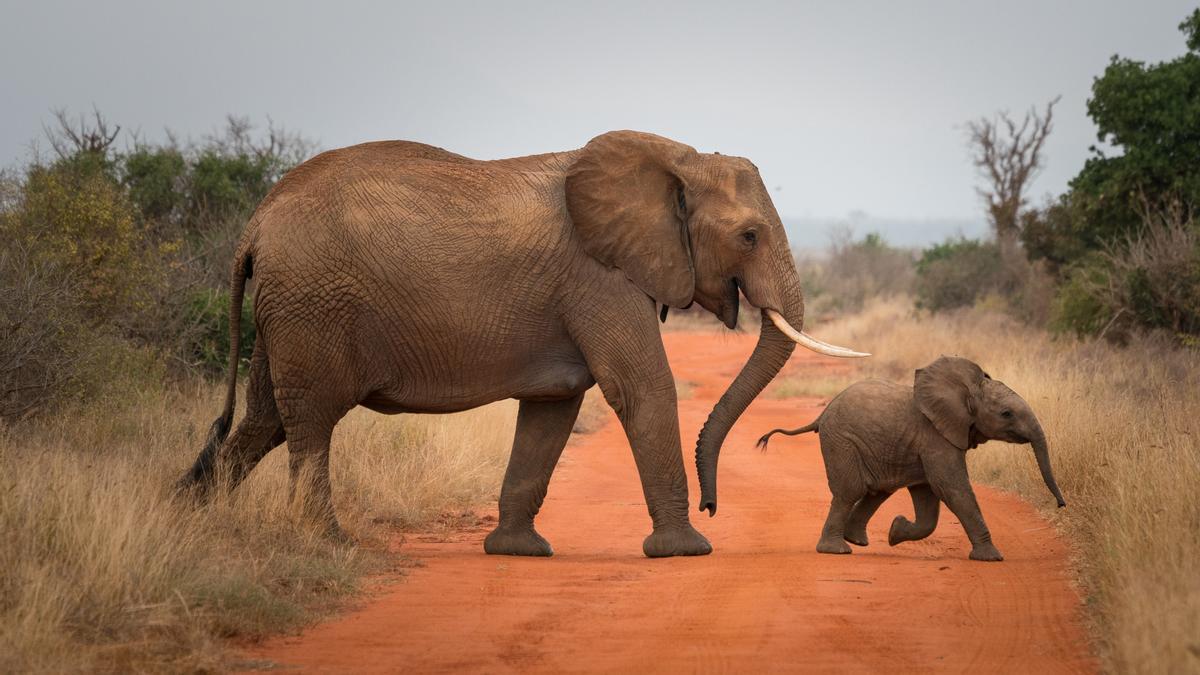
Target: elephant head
{"points": [[968, 407], [687, 226]]}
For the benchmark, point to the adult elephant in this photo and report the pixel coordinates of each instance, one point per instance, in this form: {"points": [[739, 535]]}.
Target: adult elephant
{"points": [[404, 278]]}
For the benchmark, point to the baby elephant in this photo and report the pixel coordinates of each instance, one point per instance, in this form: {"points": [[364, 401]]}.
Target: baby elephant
{"points": [[878, 437]]}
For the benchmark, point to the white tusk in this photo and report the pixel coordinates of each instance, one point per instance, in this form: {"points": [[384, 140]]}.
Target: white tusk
{"points": [[805, 340]]}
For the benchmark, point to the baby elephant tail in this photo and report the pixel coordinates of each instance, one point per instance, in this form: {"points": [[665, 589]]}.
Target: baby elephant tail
{"points": [[811, 426]]}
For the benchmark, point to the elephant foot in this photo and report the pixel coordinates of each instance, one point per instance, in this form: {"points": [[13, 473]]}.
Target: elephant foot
{"points": [[898, 532], [986, 552], [857, 537], [832, 546], [516, 541], [666, 542]]}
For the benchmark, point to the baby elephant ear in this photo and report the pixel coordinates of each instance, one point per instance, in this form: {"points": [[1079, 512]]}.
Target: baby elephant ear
{"points": [[625, 197], [945, 391]]}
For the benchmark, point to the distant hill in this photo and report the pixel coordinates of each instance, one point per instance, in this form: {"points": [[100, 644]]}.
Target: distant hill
{"points": [[814, 233]]}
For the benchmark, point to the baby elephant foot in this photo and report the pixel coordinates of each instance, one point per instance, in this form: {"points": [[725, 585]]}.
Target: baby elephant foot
{"points": [[671, 541], [832, 546], [899, 531], [516, 541], [986, 552], [857, 536]]}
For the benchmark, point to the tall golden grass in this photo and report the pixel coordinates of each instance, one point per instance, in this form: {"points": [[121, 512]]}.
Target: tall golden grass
{"points": [[1124, 431], [101, 570]]}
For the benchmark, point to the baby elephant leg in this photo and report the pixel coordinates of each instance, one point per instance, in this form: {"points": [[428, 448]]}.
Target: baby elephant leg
{"points": [[835, 525], [926, 506], [856, 526]]}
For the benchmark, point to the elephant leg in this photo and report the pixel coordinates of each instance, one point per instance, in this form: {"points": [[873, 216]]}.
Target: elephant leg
{"points": [[856, 526], [833, 534], [543, 428], [949, 481], [259, 432], [629, 363], [926, 507], [651, 422], [309, 493]]}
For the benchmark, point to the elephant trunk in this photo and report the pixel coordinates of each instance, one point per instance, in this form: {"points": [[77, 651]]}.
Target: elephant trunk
{"points": [[1042, 453], [770, 354]]}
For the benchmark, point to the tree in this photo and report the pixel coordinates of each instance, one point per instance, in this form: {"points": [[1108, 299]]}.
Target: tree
{"points": [[1150, 113], [1124, 242], [1008, 156]]}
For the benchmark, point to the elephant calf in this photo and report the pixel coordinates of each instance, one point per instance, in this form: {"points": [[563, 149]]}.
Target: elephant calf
{"points": [[878, 437]]}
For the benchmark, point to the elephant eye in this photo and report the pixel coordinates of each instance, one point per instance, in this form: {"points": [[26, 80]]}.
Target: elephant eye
{"points": [[682, 202], [1007, 414], [750, 237]]}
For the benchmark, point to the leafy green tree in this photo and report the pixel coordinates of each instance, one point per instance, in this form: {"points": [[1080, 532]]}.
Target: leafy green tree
{"points": [[1151, 114], [156, 177]]}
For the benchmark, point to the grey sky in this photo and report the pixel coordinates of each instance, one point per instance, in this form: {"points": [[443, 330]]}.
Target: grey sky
{"points": [[852, 106]]}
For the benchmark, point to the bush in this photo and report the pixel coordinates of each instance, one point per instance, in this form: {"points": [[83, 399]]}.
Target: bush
{"points": [[156, 178], [110, 257], [854, 272], [50, 353], [1151, 280], [958, 273], [79, 221], [207, 344], [38, 318]]}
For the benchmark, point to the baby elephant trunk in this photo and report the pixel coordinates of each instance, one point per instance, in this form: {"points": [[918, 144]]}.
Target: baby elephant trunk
{"points": [[1043, 459]]}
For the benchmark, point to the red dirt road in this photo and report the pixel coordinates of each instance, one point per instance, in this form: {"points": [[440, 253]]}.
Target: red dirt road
{"points": [[765, 600]]}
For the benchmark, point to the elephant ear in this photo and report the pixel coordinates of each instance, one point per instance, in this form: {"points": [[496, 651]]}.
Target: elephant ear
{"points": [[946, 391], [625, 197]]}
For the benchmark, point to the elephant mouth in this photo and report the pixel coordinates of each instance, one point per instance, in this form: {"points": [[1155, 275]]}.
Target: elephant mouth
{"points": [[729, 308]]}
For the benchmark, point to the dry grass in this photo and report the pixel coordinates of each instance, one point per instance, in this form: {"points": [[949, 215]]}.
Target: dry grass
{"points": [[101, 571], [1124, 430]]}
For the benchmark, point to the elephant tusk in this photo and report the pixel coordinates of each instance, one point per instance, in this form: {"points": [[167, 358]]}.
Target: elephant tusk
{"points": [[809, 342]]}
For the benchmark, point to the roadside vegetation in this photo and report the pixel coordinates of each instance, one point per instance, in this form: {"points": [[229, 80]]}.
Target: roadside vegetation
{"points": [[101, 570]]}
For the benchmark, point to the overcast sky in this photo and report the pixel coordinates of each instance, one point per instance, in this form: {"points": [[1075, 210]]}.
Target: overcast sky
{"points": [[845, 107]]}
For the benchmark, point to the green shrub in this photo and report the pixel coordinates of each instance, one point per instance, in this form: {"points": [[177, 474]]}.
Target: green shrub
{"points": [[957, 273], [223, 184], [81, 222], [208, 341], [1151, 281], [118, 260], [1078, 307], [156, 179]]}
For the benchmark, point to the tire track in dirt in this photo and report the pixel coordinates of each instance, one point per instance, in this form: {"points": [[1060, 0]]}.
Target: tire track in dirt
{"points": [[763, 601]]}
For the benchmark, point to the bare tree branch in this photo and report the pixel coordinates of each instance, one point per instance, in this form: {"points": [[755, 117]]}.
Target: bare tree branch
{"points": [[70, 138], [1008, 157]]}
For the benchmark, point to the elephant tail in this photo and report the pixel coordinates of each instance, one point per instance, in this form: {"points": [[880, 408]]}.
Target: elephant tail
{"points": [[201, 471], [243, 268], [811, 426]]}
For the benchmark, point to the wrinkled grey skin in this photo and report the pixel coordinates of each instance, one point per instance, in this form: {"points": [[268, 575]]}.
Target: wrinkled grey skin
{"points": [[405, 278], [878, 437]]}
